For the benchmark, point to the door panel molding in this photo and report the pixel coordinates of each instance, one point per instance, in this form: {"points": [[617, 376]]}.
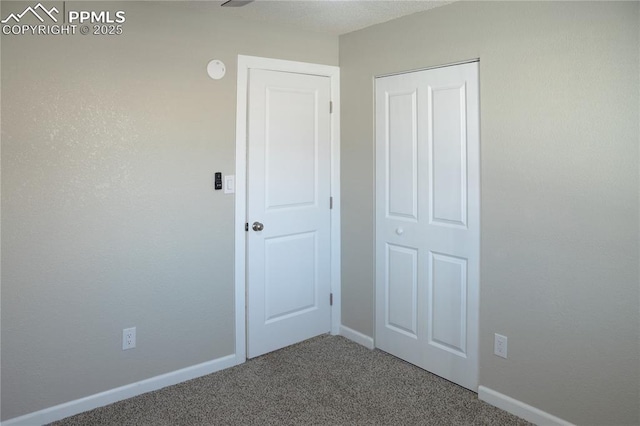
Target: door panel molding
{"points": [[245, 64]]}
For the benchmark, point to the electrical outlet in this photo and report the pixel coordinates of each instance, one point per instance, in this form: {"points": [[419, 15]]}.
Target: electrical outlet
{"points": [[500, 345], [128, 338]]}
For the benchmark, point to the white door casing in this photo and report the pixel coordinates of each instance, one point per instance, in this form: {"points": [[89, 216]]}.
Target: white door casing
{"points": [[428, 219], [287, 167]]}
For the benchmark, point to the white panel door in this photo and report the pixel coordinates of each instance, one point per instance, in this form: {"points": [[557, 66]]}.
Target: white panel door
{"points": [[288, 187], [428, 220]]}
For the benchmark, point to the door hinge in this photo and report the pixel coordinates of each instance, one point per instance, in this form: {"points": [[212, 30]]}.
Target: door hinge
{"points": [[246, 226], [330, 299], [330, 107], [330, 203]]}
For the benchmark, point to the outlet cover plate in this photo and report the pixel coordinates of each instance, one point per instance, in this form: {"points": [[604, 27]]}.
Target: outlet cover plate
{"points": [[128, 338], [500, 345]]}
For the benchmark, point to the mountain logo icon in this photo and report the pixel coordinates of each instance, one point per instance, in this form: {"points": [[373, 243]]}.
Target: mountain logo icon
{"points": [[34, 11]]}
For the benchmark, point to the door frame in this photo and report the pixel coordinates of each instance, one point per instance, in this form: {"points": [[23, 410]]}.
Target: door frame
{"points": [[246, 63]]}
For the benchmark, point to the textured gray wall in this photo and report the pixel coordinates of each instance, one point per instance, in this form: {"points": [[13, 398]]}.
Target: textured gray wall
{"points": [[559, 89], [109, 218]]}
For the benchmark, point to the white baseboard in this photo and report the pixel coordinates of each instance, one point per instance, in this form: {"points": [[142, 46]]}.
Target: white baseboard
{"points": [[357, 337], [101, 399], [519, 408]]}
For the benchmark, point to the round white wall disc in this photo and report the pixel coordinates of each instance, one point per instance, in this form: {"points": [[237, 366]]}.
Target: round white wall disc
{"points": [[216, 69]]}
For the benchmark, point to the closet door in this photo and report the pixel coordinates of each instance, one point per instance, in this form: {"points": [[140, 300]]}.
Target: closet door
{"points": [[428, 220]]}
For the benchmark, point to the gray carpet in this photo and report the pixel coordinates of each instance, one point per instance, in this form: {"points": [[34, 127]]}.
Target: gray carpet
{"points": [[327, 380]]}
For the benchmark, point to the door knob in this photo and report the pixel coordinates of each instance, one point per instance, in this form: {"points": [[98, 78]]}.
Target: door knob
{"points": [[399, 231], [257, 226]]}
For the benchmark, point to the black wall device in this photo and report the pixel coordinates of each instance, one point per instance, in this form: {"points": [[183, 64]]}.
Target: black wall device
{"points": [[218, 181]]}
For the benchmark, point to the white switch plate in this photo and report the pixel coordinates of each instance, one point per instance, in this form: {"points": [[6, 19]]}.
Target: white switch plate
{"points": [[229, 184], [500, 345]]}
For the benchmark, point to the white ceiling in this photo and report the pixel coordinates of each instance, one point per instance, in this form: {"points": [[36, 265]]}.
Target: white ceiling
{"points": [[329, 16]]}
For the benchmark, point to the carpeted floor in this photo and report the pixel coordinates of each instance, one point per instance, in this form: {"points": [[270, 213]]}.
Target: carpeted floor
{"points": [[327, 380]]}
